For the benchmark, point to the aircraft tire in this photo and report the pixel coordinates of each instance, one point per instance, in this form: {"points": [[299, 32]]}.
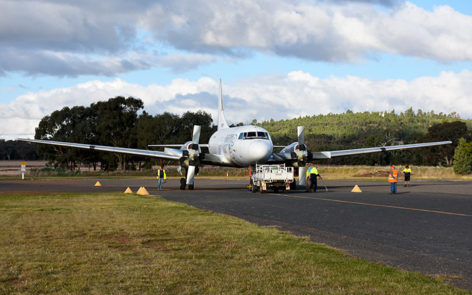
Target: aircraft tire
{"points": [[182, 183], [190, 186]]}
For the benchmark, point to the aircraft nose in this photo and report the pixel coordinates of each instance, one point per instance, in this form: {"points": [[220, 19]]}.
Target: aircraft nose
{"points": [[260, 150]]}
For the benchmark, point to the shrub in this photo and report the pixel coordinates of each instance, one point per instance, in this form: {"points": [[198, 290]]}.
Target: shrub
{"points": [[463, 157]]}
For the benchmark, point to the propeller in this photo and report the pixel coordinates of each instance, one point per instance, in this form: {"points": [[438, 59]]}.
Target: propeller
{"points": [[297, 155], [193, 156], [301, 154], [301, 135]]}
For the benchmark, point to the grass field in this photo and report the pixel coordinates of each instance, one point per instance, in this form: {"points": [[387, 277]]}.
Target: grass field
{"points": [[128, 244], [327, 171], [381, 172]]}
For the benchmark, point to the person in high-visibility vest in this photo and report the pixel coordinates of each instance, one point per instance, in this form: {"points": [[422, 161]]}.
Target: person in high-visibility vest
{"points": [[407, 174], [311, 178], [161, 177], [393, 179], [307, 177]]}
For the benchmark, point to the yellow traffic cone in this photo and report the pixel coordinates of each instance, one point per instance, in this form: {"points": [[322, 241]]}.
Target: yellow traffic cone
{"points": [[356, 189], [128, 191], [98, 183], [142, 191]]}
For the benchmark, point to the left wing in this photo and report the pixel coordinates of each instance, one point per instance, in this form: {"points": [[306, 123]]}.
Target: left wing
{"points": [[330, 154], [174, 145], [138, 152]]}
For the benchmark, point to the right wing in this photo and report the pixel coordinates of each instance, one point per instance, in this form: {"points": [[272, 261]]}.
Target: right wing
{"points": [[330, 154], [138, 152]]}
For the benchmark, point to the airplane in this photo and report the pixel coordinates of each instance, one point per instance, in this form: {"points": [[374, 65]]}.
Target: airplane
{"points": [[241, 146]]}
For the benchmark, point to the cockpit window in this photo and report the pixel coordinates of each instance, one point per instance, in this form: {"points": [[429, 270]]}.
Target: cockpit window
{"points": [[254, 135], [261, 134]]}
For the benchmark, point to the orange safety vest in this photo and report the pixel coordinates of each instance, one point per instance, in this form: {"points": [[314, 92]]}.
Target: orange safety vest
{"points": [[394, 177]]}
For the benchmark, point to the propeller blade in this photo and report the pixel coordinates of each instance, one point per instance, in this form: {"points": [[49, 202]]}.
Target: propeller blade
{"points": [[301, 134], [196, 133], [302, 175], [190, 174]]}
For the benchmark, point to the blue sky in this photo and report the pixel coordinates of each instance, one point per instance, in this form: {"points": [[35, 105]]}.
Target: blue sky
{"points": [[278, 59]]}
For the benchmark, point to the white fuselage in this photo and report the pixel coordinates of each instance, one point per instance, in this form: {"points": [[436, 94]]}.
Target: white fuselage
{"points": [[241, 146]]}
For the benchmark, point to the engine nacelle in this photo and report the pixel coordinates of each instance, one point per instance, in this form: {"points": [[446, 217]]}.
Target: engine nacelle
{"points": [[190, 154], [295, 151]]}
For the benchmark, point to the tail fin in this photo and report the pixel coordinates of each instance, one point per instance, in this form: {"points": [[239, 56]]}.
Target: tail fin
{"points": [[221, 115]]}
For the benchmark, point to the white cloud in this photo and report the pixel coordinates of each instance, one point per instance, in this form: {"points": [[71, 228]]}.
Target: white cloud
{"points": [[313, 30], [88, 26], [183, 62], [278, 96], [76, 64], [71, 38]]}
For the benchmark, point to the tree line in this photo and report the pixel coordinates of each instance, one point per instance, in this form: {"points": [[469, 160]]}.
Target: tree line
{"points": [[368, 129], [118, 122], [123, 122], [17, 150]]}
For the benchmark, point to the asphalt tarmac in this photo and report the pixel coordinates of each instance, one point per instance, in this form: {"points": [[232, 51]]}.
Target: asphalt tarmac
{"points": [[426, 227]]}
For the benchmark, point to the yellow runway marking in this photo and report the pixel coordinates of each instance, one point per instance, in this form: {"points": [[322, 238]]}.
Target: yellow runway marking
{"points": [[380, 205]]}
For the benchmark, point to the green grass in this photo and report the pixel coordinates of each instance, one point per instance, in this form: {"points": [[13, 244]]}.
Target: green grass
{"points": [[381, 172], [357, 172], [128, 244]]}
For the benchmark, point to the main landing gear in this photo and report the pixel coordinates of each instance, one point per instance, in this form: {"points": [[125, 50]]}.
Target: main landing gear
{"points": [[183, 184]]}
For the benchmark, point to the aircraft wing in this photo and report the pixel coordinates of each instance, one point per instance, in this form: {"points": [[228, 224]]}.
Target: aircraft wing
{"points": [[175, 145], [138, 152], [165, 145], [330, 154]]}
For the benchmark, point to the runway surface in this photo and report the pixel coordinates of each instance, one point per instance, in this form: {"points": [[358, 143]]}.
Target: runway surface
{"points": [[426, 227]]}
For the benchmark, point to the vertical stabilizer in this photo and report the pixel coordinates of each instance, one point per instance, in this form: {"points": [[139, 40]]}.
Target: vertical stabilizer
{"points": [[221, 115]]}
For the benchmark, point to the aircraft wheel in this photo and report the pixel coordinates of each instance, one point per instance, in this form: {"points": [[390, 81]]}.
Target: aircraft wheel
{"points": [[190, 186], [251, 185], [182, 183]]}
